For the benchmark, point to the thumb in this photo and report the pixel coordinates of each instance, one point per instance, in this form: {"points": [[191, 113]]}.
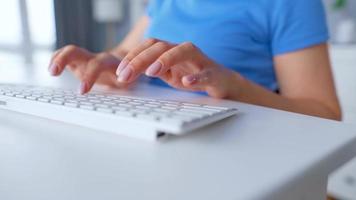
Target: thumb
{"points": [[198, 81]]}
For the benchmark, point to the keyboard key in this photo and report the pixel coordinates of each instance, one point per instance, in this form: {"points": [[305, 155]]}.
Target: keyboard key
{"points": [[10, 94], [125, 99], [134, 103], [117, 108], [138, 111], [124, 113], [169, 108], [200, 108], [36, 95], [109, 103], [139, 101], [191, 104], [94, 101], [85, 103], [57, 102], [125, 105], [162, 110], [47, 97], [74, 105], [101, 106], [151, 105], [31, 98], [43, 100], [197, 111], [119, 101], [20, 96], [172, 104], [216, 107], [105, 110], [87, 107], [143, 108], [59, 99]]}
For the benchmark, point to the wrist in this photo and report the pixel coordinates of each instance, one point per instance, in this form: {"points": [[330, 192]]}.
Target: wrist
{"points": [[235, 85], [226, 84]]}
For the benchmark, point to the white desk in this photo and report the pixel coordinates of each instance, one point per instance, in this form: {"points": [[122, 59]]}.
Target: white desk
{"points": [[344, 68], [260, 154]]}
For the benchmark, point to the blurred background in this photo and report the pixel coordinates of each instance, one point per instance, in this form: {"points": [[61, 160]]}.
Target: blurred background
{"points": [[32, 29]]}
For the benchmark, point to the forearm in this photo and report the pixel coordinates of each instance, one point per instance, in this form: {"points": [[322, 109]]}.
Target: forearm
{"points": [[252, 93]]}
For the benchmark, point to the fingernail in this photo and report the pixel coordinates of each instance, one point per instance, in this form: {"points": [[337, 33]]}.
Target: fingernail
{"points": [[191, 79], [154, 69], [125, 74], [53, 69], [121, 66], [83, 88]]}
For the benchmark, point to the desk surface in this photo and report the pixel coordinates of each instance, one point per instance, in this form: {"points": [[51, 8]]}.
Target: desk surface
{"points": [[256, 155]]}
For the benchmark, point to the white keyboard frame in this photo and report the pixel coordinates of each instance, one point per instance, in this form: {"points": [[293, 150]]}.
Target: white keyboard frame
{"points": [[131, 127]]}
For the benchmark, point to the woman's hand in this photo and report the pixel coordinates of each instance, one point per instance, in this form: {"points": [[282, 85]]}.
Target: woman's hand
{"points": [[182, 66], [88, 67]]}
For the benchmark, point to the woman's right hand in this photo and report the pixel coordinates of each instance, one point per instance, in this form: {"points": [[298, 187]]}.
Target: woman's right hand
{"points": [[88, 67]]}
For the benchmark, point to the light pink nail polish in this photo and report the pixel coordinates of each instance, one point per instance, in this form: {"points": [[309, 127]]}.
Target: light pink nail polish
{"points": [[125, 74], [191, 79], [83, 88], [154, 69], [53, 69], [121, 66]]}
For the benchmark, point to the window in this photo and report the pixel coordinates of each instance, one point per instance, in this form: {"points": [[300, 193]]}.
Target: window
{"points": [[28, 30], [10, 35]]}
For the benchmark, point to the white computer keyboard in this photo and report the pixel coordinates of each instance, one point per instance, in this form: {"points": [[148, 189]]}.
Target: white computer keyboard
{"points": [[131, 116]]}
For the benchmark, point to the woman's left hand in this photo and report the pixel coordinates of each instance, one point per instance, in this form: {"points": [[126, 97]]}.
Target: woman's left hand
{"points": [[182, 66]]}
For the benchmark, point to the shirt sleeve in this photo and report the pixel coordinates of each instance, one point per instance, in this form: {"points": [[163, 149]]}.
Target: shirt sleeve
{"points": [[297, 24]]}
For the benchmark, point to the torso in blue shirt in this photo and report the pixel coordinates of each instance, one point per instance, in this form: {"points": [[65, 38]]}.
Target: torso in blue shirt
{"points": [[243, 35]]}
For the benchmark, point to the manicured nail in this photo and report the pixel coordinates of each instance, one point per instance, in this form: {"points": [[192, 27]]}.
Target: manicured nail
{"points": [[125, 74], [121, 66], [83, 88], [191, 79], [154, 69], [53, 69]]}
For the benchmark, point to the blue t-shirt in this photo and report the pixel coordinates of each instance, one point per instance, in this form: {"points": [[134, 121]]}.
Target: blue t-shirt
{"points": [[243, 35]]}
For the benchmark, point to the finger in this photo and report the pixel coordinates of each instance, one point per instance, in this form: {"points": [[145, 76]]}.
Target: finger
{"points": [[90, 75], [141, 62], [134, 52], [68, 55], [53, 67], [102, 62], [179, 54], [55, 54]]}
